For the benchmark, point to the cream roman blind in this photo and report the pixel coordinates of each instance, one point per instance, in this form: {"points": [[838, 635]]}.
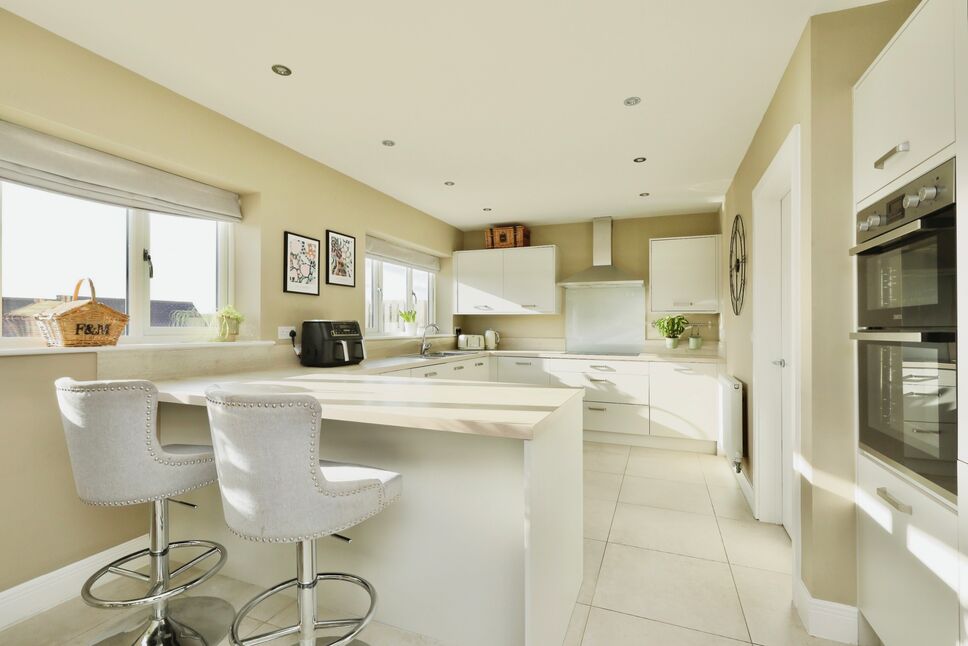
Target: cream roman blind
{"points": [[392, 252], [36, 159]]}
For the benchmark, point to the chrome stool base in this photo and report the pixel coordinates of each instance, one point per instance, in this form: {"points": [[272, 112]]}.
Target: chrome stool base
{"points": [[305, 584], [193, 621]]}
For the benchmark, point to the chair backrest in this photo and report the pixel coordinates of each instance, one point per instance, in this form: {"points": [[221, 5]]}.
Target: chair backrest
{"points": [[112, 437], [267, 456]]}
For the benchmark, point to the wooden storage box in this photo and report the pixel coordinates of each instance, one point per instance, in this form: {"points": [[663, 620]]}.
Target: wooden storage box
{"points": [[81, 323], [515, 235]]}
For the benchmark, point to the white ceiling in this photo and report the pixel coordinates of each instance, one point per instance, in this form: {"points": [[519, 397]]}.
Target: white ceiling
{"points": [[518, 102]]}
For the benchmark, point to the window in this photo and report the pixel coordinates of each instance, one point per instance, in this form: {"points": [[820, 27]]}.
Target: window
{"points": [[167, 272], [392, 288]]}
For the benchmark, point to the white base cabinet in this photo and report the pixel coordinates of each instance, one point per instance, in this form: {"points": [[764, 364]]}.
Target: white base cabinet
{"points": [[522, 370], [467, 370], [631, 419], [684, 400]]}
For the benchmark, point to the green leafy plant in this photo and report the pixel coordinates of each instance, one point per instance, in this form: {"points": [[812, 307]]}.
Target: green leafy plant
{"points": [[408, 316], [671, 327]]}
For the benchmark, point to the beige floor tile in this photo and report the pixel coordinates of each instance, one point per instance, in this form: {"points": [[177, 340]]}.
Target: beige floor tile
{"points": [[611, 458], [767, 603], [689, 592], [756, 544], [598, 518], [591, 564], [377, 634], [576, 626], [729, 502], [716, 470], [678, 466], [681, 496], [249, 628], [59, 625], [667, 530], [607, 628], [599, 485]]}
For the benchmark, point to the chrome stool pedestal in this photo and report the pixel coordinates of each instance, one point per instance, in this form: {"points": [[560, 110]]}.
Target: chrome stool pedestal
{"points": [[307, 625]]}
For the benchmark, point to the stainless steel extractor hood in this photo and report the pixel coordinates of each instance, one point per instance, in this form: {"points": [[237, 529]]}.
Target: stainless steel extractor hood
{"points": [[602, 273]]}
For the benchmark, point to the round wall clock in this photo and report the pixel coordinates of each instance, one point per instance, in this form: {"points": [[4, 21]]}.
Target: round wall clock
{"points": [[737, 264]]}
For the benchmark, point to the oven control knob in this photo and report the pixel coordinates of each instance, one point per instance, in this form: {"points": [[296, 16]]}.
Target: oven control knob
{"points": [[927, 193], [911, 201], [864, 226], [874, 221]]}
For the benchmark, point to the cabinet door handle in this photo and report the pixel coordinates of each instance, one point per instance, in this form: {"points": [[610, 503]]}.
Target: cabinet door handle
{"points": [[928, 431], [522, 363], [458, 367], [600, 367], [902, 147], [904, 508], [430, 374], [681, 303], [479, 364], [530, 306], [483, 307], [597, 409], [598, 380]]}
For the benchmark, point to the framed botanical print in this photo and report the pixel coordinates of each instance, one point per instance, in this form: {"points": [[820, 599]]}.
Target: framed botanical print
{"points": [[340, 259], [302, 264]]}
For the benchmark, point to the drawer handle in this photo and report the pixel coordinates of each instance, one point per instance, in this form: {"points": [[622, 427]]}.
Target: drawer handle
{"points": [[597, 409], [686, 371], [902, 147], [600, 367], [479, 364], [530, 306], [430, 374], [522, 363], [597, 380], [458, 367], [894, 502], [927, 430], [483, 307]]}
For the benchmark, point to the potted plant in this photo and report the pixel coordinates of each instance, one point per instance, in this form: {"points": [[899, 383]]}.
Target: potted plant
{"points": [[695, 340], [228, 319], [671, 327], [409, 318]]}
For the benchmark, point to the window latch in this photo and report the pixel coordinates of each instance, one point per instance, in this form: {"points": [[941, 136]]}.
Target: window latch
{"points": [[147, 258]]}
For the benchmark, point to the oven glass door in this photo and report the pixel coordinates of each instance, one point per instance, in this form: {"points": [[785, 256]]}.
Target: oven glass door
{"points": [[908, 407], [910, 283]]}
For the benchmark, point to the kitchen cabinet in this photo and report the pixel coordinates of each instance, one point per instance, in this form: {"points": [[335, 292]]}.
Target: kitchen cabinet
{"points": [[616, 392], [616, 418], [521, 280], [894, 132], [431, 372], [684, 274], [907, 559], [611, 388], [684, 400], [522, 370], [467, 370], [398, 373]]}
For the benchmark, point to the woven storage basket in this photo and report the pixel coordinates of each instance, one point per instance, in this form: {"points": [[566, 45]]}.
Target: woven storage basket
{"points": [[82, 323]]}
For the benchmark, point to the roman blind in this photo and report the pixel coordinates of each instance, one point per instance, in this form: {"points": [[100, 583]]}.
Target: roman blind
{"points": [[36, 159], [392, 252]]}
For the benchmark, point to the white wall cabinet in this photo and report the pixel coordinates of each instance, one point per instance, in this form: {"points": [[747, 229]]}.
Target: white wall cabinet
{"points": [[684, 400], [522, 280], [684, 274], [895, 130]]}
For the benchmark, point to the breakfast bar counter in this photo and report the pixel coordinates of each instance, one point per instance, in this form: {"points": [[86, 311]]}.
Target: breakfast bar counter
{"points": [[484, 546]]}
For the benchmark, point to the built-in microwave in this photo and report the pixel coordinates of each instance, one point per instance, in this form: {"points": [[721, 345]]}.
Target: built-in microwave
{"points": [[906, 265]]}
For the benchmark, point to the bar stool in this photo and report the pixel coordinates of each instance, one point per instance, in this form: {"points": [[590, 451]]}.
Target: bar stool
{"points": [[276, 489], [117, 459]]}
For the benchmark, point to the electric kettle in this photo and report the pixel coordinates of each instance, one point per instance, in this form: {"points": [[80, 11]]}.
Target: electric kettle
{"points": [[491, 339]]}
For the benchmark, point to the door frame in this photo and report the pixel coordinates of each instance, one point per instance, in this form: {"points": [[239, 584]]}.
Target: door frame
{"points": [[781, 177]]}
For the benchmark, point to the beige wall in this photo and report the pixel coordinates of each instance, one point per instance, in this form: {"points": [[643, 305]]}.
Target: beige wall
{"points": [[816, 93], [51, 85], [630, 252]]}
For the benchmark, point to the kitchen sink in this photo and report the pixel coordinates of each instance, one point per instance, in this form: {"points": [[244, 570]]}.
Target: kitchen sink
{"points": [[443, 354]]}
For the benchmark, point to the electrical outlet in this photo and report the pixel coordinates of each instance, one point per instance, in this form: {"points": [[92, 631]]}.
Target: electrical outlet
{"points": [[284, 331]]}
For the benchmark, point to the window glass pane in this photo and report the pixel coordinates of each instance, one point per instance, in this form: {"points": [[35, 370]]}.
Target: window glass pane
{"points": [[394, 297], [422, 291], [184, 252], [371, 321], [49, 241]]}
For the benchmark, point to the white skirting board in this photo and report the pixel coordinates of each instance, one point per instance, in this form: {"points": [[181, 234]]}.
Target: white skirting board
{"points": [[54, 588], [825, 619]]}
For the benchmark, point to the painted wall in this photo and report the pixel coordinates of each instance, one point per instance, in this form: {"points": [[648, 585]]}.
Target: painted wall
{"points": [[54, 86], [630, 252], [815, 92]]}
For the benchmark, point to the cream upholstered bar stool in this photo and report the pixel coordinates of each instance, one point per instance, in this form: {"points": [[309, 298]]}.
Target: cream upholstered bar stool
{"points": [[276, 489], [117, 459]]}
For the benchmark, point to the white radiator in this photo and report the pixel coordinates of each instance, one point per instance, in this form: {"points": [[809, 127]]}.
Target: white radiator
{"points": [[731, 419]]}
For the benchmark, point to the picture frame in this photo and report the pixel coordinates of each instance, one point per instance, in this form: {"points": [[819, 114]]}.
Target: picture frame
{"points": [[300, 269], [340, 259]]}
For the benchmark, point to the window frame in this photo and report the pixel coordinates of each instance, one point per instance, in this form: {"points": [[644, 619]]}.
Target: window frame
{"points": [[139, 329], [376, 297]]}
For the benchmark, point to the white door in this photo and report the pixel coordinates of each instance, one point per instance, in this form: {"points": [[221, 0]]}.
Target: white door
{"points": [[480, 281], [787, 370], [529, 279]]}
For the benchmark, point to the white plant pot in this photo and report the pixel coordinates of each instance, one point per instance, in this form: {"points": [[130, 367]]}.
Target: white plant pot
{"points": [[410, 329], [695, 342], [672, 342]]}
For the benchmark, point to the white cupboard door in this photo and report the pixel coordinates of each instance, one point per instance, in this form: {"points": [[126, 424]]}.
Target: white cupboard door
{"points": [[684, 274], [530, 284], [614, 388], [398, 373], [480, 281], [683, 400], [896, 128], [432, 372], [616, 418], [522, 370], [478, 369]]}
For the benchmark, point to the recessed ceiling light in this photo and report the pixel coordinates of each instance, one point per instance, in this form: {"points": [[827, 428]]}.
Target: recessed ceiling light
{"points": [[282, 70], [644, 194], [389, 142], [639, 160], [487, 208], [632, 100], [448, 183]]}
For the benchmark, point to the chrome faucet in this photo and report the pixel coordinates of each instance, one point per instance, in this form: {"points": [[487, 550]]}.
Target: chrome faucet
{"points": [[424, 344]]}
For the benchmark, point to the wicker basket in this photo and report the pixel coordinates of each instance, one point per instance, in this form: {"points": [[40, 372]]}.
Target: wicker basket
{"points": [[506, 237], [81, 323]]}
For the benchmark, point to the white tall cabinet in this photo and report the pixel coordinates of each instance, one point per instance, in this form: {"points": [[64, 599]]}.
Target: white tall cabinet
{"points": [[684, 274]]}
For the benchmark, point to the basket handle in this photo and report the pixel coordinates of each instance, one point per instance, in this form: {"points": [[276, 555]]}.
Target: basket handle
{"points": [[77, 289]]}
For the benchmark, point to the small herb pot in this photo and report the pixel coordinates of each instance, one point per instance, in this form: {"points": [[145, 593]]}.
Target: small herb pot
{"points": [[672, 342], [410, 329], [695, 342]]}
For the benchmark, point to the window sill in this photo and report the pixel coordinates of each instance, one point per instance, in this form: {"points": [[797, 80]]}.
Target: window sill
{"points": [[26, 350]]}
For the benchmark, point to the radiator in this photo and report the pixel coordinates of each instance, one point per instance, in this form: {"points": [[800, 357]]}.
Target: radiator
{"points": [[731, 419]]}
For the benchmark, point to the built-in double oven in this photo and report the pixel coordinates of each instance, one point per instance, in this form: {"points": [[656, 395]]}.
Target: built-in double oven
{"points": [[907, 330]]}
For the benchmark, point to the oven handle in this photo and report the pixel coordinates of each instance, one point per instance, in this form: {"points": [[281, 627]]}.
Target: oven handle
{"points": [[891, 236], [905, 337]]}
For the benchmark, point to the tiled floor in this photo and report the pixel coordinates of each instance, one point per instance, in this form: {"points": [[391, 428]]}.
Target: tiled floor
{"points": [[673, 557]]}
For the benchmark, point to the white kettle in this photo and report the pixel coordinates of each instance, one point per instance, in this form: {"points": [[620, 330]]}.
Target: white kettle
{"points": [[491, 339]]}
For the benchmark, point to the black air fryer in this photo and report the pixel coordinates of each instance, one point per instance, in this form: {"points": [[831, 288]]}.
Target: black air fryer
{"points": [[326, 344]]}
